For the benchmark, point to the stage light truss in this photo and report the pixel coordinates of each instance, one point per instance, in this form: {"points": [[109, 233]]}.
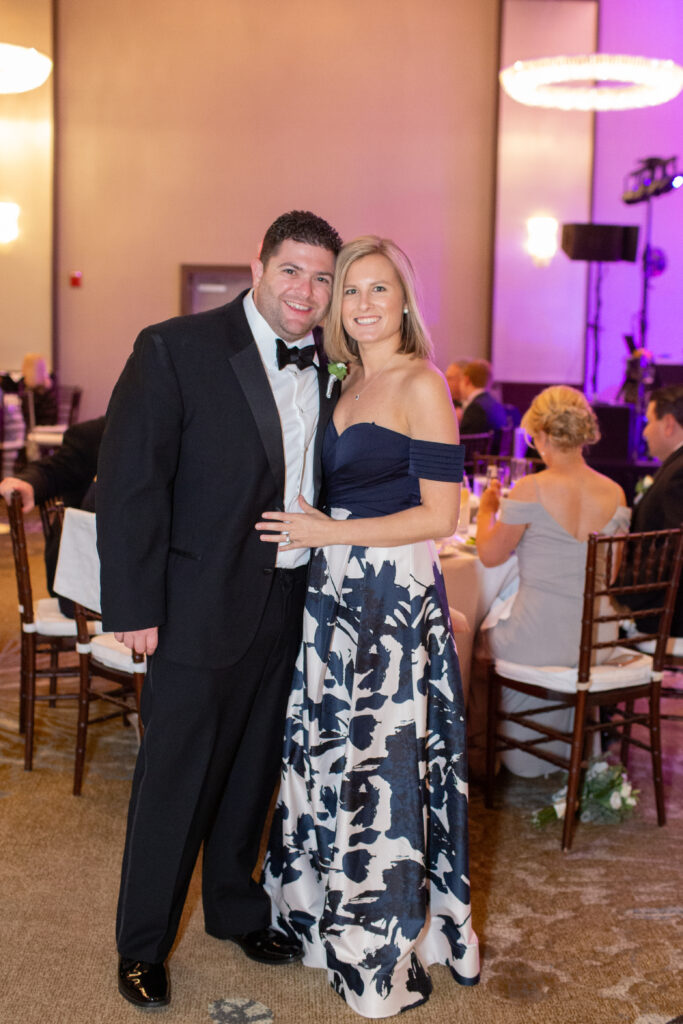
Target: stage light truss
{"points": [[653, 177]]}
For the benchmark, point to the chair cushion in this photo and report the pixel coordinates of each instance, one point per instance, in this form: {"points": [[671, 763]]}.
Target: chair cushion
{"points": [[108, 651], [625, 668], [50, 622], [674, 646]]}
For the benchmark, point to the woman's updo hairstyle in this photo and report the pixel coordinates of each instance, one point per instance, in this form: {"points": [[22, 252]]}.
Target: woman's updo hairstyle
{"points": [[563, 414]]}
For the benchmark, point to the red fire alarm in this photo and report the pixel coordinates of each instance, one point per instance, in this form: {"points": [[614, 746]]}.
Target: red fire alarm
{"points": [[75, 278]]}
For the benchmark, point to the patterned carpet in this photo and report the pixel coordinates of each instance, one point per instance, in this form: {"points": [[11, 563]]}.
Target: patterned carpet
{"points": [[590, 937]]}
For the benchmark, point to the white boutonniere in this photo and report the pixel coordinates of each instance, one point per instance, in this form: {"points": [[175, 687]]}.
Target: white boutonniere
{"points": [[643, 485], [337, 371]]}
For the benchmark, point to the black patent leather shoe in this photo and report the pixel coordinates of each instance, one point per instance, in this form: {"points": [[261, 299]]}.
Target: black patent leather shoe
{"points": [[268, 946], [144, 984]]}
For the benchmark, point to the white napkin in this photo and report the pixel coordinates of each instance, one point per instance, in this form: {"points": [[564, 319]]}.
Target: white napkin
{"points": [[78, 566]]}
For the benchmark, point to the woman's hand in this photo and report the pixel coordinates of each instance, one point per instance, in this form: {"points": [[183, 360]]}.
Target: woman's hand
{"points": [[307, 529], [489, 502]]}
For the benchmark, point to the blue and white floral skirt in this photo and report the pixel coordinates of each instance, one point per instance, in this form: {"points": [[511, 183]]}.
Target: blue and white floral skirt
{"points": [[368, 855]]}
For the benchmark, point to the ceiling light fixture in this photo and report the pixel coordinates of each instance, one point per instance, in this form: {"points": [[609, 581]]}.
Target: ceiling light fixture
{"points": [[21, 68], [610, 82]]}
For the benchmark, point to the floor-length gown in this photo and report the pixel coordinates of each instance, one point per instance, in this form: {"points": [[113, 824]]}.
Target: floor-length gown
{"points": [[368, 856]]}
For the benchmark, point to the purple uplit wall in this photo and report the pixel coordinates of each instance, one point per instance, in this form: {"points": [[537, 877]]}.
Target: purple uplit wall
{"points": [[622, 139]]}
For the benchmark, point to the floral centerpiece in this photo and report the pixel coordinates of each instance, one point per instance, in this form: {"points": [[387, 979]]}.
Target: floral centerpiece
{"points": [[607, 796]]}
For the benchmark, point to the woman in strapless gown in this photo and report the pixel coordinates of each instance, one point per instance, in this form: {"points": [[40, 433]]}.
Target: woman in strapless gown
{"points": [[368, 856], [547, 520]]}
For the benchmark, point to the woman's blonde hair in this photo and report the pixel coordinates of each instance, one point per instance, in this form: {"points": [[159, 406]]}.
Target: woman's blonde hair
{"points": [[563, 414], [339, 346]]}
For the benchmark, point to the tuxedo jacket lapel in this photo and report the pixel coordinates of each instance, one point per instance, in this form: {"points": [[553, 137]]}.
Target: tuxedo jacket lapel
{"points": [[252, 378]]}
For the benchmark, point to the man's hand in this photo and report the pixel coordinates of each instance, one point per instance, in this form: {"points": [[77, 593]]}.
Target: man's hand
{"points": [[13, 483], [144, 641]]}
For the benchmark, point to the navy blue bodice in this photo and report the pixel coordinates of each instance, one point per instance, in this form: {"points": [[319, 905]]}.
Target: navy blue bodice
{"points": [[373, 471]]}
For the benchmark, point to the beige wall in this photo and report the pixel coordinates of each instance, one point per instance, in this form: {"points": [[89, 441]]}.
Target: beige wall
{"points": [[26, 179], [185, 129]]}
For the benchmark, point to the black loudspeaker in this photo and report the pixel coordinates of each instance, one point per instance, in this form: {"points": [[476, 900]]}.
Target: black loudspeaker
{"points": [[600, 243], [667, 374], [618, 433]]}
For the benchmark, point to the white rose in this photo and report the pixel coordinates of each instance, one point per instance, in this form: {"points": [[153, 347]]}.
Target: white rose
{"points": [[615, 800], [630, 801], [625, 789]]}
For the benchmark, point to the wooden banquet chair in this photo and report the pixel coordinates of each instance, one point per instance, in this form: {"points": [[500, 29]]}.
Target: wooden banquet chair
{"points": [[44, 631], [68, 404], [475, 444], [625, 675], [101, 656], [673, 664]]}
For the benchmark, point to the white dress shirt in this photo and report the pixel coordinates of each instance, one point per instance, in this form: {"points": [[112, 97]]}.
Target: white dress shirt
{"points": [[297, 398]]}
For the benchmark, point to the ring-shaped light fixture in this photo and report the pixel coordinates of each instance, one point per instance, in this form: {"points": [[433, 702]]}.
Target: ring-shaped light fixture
{"points": [[557, 82]]}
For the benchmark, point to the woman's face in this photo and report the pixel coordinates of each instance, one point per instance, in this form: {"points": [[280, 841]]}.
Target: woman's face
{"points": [[372, 301]]}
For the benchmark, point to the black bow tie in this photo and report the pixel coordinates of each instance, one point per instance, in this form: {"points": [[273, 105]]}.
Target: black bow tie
{"points": [[301, 357]]}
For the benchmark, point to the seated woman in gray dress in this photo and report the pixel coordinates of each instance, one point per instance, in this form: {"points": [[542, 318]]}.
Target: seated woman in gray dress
{"points": [[546, 520]]}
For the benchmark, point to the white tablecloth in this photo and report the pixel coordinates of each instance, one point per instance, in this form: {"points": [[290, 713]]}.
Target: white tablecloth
{"points": [[471, 589]]}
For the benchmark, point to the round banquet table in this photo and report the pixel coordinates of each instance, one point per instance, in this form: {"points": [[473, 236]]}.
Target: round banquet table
{"points": [[471, 589]]}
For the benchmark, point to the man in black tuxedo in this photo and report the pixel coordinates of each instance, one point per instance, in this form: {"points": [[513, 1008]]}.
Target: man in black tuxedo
{"points": [[216, 418], [661, 506], [481, 412]]}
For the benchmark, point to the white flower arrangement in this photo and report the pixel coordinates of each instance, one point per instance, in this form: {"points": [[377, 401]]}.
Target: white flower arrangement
{"points": [[607, 797]]}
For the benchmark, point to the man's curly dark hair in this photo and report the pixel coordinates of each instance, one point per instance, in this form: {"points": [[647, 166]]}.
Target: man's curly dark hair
{"points": [[300, 226]]}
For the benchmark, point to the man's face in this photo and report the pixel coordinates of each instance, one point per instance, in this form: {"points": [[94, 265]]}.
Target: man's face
{"points": [[657, 434], [293, 291], [454, 378]]}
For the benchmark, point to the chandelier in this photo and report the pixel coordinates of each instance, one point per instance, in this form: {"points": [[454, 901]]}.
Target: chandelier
{"points": [[21, 68], [596, 81]]}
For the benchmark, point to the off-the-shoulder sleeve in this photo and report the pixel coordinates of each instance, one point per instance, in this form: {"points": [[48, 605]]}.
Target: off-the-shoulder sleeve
{"points": [[517, 512], [622, 518], [432, 460]]}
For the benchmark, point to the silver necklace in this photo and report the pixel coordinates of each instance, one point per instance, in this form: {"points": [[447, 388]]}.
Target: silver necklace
{"points": [[370, 382]]}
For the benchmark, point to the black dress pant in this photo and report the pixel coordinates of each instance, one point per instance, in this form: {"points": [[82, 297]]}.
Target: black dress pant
{"points": [[206, 770]]}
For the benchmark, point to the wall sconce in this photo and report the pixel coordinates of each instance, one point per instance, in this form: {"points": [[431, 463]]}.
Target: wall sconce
{"points": [[9, 222], [541, 240], [22, 68]]}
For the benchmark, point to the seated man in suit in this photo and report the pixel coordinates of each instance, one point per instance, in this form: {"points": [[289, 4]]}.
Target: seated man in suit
{"points": [[67, 474], [453, 376], [481, 411], [661, 506]]}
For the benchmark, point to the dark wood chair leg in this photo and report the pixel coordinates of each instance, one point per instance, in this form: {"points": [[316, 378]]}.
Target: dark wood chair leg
{"points": [[578, 744], [82, 727], [30, 700], [626, 733], [493, 692], [656, 750], [54, 668], [23, 683]]}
